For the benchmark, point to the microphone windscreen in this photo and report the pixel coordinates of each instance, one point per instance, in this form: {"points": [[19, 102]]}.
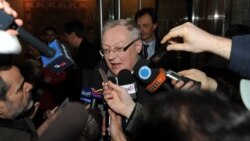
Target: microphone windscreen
{"points": [[146, 74], [127, 81], [61, 60], [125, 77], [112, 79], [140, 63]]}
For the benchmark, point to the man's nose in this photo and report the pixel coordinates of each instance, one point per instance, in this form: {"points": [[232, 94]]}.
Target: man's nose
{"points": [[112, 54]]}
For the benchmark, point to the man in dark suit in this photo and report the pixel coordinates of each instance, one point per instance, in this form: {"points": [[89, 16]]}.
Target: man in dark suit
{"points": [[85, 54], [152, 49], [146, 19]]}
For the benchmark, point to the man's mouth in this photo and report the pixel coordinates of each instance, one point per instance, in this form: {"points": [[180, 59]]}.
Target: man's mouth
{"points": [[115, 65]]}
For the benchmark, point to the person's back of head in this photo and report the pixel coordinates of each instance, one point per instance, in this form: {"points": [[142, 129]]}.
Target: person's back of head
{"points": [[75, 26], [234, 128], [183, 116]]}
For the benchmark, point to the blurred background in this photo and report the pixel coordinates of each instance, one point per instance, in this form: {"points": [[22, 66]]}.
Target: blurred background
{"points": [[214, 16]]}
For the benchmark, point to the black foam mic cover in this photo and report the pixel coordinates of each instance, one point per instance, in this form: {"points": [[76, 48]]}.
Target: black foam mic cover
{"points": [[127, 81], [141, 69], [112, 79], [141, 62], [125, 77]]}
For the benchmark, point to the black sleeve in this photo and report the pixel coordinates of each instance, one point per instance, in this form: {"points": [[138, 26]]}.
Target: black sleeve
{"points": [[132, 121]]}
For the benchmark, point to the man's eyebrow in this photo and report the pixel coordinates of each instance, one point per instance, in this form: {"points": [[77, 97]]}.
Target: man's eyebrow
{"points": [[113, 43]]}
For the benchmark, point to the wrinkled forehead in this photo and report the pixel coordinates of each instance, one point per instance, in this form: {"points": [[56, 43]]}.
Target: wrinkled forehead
{"points": [[116, 34]]}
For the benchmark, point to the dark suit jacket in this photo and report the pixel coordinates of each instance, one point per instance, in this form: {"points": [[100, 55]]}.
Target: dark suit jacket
{"points": [[17, 130], [239, 59], [86, 58]]}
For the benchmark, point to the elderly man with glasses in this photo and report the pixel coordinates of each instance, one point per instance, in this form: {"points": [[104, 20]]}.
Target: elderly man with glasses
{"points": [[121, 45]]}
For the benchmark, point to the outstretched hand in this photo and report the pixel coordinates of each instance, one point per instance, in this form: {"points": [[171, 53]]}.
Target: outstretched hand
{"points": [[118, 99], [197, 40]]}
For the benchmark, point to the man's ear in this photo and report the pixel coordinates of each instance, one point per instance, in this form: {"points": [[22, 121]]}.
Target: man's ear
{"points": [[138, 46], [155, 26], [2, 108]]}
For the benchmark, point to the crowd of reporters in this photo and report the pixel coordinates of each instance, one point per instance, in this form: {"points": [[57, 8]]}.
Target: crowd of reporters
{"points": [[179, 110]]}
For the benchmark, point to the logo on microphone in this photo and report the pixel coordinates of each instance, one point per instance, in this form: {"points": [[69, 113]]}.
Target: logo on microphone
{"points": [[144, 72], [60, 65], [130, 88]]}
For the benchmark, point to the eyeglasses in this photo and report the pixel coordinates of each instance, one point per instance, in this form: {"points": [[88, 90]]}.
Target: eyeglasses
{"points": [[118, 50]]}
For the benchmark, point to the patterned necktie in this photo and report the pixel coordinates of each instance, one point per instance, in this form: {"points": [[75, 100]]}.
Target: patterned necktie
{"points": [[145, 50]]}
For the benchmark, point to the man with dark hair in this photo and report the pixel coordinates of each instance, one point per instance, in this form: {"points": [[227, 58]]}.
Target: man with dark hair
{"points": [[15, 99], [50, 34], [85, 55], [147, 21]]}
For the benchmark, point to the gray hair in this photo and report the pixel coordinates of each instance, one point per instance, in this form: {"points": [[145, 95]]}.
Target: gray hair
{"points": [[128, 23]]}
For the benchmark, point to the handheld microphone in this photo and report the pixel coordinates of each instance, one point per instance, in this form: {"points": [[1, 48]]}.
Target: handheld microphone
{"points": [[91, 96], [127, 81], [175, 76], [61, 60], [8, 22], [154, 78]]}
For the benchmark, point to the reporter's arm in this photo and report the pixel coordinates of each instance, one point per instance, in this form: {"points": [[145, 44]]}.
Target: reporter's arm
{"points": [[197, 40], [240, 59], [131, 125], [116, 129], [207, 83]]}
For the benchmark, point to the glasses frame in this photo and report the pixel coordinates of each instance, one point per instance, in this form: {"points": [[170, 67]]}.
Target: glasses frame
{"points": [[124, 48]]}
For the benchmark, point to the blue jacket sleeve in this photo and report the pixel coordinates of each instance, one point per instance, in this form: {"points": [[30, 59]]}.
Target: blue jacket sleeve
{"points": [[240, 55]]}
